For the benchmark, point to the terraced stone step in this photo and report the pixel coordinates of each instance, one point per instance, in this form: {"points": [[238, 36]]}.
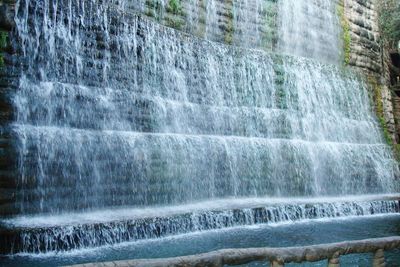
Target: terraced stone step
{"points": [[42, 234]]}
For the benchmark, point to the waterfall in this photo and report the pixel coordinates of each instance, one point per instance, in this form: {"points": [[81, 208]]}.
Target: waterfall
{"points": [[310, 29], [248, 23], [128, 112], [300, 28], [113, 109], [60, 233]]}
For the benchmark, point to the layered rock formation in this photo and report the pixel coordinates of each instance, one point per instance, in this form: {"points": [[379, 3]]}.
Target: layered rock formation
{"points": [[368, 56], [9, 79]]}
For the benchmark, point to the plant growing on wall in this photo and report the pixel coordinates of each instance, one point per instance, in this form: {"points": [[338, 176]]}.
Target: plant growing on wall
{"points": [[378, 101], [154, 9], [390, 21], [346, 33], [175, 18], [175, 7], [3, 45]]}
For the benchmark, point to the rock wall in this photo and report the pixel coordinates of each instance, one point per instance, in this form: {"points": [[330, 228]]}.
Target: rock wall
{"points": [[367, 56], [9, 77], [362, 16], [299, 28], [396, 113], [247, 23]]}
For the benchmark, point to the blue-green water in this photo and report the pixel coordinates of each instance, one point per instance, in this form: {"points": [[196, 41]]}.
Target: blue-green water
{"points": [[294, 234]]}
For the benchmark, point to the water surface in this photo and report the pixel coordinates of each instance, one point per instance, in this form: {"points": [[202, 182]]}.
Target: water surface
{"points": [[279, 235]]}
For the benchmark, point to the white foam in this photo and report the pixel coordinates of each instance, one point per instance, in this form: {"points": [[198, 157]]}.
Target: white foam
{"points": [[96, 250], [127, 213]]}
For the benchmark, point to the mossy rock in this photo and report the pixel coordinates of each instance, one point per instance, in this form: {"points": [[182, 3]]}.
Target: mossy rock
{"points": [[175, 7], [3, 46], [175, 22], [3, 39], [346, 36]]}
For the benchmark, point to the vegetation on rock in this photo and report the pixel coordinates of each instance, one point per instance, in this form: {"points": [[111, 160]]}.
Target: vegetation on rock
{"points": [[390, 21], [175, 7], [3, 45], [346, 33], [378, 101]]}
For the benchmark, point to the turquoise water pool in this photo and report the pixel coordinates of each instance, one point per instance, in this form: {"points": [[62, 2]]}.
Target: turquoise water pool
{"points": [[279, 235]]}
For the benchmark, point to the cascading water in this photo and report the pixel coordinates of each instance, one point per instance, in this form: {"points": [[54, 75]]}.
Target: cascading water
{"points": [[248, 23], [63, 232], [301, 28], [114, 109], [312, 30]]}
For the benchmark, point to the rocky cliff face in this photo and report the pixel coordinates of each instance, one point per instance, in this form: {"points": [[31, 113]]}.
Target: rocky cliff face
{"points": [[362, 16], [243, 23], [367, 55], [9, 76]]}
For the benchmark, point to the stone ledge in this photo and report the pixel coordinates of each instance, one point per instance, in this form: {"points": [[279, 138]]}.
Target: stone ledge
{"points": [[16, 238], [277, 256]]}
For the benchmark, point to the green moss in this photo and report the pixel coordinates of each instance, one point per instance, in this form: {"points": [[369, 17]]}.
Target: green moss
{"points": [[3, 45], [385, 131], [389, 20], [377, 90], [281, 92], [174, 7], [397, 152], [346, 36], [3, 39], [176, 15], [270, 37], [175, 22]]}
